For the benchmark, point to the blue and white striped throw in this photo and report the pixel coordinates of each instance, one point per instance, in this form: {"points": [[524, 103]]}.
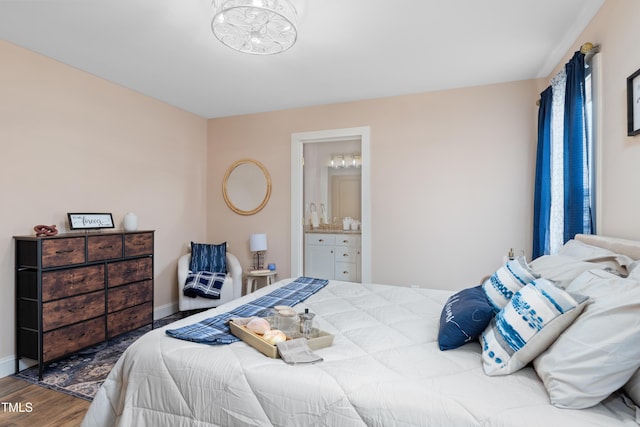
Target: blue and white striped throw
{"points": [[215, 330]]}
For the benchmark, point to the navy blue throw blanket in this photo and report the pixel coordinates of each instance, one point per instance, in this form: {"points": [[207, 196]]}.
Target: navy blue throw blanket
{"points": [[204, 284], [215, 330]]}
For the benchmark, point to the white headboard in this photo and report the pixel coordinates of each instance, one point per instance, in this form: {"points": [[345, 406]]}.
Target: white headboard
{"points": [[630, 248]]}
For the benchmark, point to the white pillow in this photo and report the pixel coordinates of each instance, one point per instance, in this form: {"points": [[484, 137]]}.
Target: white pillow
{"points": [[507, 280], [584, 252], [536, 315], [562, 269], [578, 250], [599, 352]]}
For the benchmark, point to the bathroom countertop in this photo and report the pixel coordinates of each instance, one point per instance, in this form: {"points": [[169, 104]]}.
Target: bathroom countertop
{"points": [[330, 231]]}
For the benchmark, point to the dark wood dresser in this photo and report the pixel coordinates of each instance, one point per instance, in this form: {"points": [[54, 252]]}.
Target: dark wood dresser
{"points": [[78, 289]]}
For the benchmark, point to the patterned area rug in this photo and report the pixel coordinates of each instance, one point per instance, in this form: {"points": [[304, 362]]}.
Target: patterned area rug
{"points": [[81, 374]]}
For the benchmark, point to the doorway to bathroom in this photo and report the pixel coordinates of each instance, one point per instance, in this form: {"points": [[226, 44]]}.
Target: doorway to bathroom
{"points": [[330, 191]]}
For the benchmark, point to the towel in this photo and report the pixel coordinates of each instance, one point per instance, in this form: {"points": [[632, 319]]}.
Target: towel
{"points": [[297, 352]]}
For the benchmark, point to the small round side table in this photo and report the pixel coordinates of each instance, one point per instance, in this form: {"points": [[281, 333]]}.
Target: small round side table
{"points": [[253, 276]]}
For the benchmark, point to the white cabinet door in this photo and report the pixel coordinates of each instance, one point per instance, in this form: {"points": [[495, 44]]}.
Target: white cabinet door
{"points": [[320, 261]]}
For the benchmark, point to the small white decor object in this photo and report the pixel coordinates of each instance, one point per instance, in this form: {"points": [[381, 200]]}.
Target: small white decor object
{"points": [[130, 222]]}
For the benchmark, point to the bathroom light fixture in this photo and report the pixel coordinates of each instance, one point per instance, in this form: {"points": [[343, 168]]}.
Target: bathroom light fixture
{"points": [[259, 27], [356, 161], [339, 161]]}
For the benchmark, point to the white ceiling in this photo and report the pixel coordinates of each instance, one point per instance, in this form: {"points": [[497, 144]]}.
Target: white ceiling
{"points": [[346, 50]]}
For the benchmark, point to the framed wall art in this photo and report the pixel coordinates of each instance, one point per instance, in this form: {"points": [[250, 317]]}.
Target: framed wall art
{"points": [[90, 221], [633, 104]]}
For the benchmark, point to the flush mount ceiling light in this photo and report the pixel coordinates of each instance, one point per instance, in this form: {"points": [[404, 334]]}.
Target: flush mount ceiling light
{"points": [[259, 27]]}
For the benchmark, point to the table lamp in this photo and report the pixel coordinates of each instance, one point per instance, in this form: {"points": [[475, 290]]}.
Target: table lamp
{"points": [[258, 244]]}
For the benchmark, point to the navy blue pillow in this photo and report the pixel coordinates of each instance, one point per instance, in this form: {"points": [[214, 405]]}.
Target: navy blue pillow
{"points": [[206, 257], [464, 317]]}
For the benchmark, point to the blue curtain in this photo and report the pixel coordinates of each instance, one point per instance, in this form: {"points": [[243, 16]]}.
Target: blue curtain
{"points": [[577, 199], [575, 167], [542, 195]]}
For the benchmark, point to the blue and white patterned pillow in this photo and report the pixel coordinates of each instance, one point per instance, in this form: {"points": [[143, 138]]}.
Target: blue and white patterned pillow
{"points": [[508, 280], [533, 319], [207, 257]]}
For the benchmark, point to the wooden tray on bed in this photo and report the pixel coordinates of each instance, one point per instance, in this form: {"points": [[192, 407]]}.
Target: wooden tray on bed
{"points": [[319, 339]]}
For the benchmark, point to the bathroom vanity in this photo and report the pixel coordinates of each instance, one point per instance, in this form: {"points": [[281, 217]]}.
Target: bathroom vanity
{"points": [[332, 254]]}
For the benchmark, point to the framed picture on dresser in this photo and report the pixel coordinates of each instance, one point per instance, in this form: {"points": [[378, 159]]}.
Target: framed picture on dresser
{"points": [[89, 221]]}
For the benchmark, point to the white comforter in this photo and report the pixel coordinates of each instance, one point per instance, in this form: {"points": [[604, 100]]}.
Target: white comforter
{"points": [[384, 369]]}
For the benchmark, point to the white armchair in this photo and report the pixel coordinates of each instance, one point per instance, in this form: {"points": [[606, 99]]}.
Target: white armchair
{"points": [[231, 289]]}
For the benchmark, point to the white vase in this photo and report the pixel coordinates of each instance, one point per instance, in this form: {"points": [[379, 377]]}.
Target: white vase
{"points": [[130, 222]]}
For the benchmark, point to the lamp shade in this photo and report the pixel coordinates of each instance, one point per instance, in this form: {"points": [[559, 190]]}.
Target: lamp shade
{"points": [[258, 242]]}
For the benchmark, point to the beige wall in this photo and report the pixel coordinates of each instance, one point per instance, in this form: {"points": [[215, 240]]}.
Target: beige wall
{"points": [[73, 142], [451, 179]]}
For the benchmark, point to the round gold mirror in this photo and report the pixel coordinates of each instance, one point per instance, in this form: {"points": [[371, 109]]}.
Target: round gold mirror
{"points": [[246, 187]]}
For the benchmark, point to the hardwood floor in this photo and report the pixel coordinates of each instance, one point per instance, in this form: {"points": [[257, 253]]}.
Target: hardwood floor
{"points": [[26, 404]]}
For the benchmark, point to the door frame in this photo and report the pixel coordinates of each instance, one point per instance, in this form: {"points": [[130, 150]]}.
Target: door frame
{"points": [[297, 184]]}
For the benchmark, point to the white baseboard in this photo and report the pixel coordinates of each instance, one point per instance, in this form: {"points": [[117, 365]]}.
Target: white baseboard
{"points": [[8, 364], [165, 310]]}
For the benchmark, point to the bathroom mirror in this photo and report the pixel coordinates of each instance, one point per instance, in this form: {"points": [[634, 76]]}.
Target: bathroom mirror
{"points": [[332, 180], [246, 187]]}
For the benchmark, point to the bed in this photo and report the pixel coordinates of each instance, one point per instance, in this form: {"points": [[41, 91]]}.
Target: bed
{"points": [[385, 367]]}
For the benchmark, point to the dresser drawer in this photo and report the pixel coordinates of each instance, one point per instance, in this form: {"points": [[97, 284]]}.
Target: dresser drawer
{"points": [[66, 283], [63, 312], [102, 248], [320, 239], [72, 338], [65, 251], [346, 271], [351, 241], [346, 254], [137, 244], [129, 319], [130, 295], [134, 270]]}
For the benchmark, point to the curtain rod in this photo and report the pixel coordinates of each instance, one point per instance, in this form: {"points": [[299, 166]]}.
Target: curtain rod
{"points": [[588, 49]]}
